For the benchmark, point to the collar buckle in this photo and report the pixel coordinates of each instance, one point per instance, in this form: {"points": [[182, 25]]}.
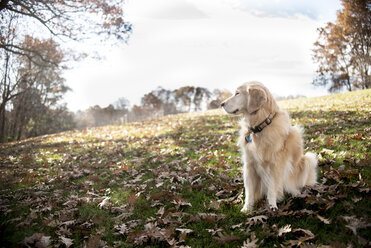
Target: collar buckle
{"points": [[261, 126], [257, 129]]}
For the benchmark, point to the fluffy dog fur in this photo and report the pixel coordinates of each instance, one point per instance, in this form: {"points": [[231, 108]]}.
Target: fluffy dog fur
{"points": [[274, 161]]}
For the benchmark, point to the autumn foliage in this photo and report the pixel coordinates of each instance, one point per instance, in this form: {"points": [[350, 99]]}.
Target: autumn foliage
{"points": [[342, 50]]}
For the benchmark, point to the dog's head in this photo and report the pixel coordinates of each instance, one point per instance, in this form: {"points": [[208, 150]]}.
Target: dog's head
{"points": [[248, 99]]}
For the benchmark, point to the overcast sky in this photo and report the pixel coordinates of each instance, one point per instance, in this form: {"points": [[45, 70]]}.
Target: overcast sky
{"points": [[208, 43]]}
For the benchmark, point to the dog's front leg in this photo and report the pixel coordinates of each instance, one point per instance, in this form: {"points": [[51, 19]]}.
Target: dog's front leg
{"points": [[250, 184], [275, 187], [272, 198]]}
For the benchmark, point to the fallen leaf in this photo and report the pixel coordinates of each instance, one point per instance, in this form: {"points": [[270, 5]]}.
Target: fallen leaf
{"points": [[357, 136], [226, 238], [161, 211], [214, 231], [355, 223], [324, 220], [211, 217], [66, 241], [179, 201], [123, 229], [250, 243], [329, 141], [283, 230], [184, 230], [95, 242], [37, 240], [308, 235], [104, 203], [215, 205], [183, 234], [68, 223], [236, 226], [132, 199], [256, 219]]}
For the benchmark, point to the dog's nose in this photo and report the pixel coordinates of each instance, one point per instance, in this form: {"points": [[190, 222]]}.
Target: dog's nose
{"points": [[223, 103]]}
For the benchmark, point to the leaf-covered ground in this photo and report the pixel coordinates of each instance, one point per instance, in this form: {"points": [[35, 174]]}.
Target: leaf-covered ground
{"points": [[176, 182]]}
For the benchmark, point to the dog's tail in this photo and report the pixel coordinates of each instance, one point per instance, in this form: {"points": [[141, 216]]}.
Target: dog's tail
{"points": [[308, 164]]}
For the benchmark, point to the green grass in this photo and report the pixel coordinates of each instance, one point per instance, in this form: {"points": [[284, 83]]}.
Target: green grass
{"points": [[140, 184]]}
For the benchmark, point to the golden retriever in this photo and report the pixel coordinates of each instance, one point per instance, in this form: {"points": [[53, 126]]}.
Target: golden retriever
{"points": [[272, 148]]}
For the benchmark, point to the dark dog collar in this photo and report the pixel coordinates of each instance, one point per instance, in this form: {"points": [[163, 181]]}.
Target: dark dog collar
{"points": [[263, 124]]}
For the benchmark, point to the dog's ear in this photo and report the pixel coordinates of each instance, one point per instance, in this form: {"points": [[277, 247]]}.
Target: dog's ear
{"points": [[257, 97]]}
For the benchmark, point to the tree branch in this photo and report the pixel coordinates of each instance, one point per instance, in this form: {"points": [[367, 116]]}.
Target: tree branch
{"points": [[43, 22], [18, 50]]}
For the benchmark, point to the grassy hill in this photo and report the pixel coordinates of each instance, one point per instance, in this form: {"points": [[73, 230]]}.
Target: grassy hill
{"points": [[176, 181]]}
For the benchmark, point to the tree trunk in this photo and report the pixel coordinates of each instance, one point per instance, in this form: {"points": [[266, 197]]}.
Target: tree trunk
{"points": [[3, 4], [367, 81], [20, 129], [349, 83], [2, 123]]}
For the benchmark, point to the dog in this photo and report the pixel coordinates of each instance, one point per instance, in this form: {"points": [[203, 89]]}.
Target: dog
{"points": [[272, 149]]}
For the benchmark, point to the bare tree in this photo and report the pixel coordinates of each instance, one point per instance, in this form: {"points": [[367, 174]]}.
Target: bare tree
{"points": [[72, 19], [201, 98], [184, 98], [122, 104], [38, 87], [10, 80]]}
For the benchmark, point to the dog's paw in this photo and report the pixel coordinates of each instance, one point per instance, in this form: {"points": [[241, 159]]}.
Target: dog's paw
{"points": [[246, 209], [295, 193], [273, 208]]}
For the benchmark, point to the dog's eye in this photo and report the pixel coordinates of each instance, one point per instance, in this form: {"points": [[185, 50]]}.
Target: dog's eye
{"points": [[237, 93]]}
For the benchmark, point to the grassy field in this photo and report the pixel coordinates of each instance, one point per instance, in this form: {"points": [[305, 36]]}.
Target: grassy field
{"points": [[176, 181]]}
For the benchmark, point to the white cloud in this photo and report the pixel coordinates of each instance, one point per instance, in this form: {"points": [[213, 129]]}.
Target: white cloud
{"points": [[287, 8], [163, 9], [209, 43]]}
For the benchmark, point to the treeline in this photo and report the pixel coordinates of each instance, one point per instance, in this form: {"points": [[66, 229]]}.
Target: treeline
{"points": [[157, 103], [35, 110]]}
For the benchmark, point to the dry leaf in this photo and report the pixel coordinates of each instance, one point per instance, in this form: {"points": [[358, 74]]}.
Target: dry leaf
{"points": [[283, 230], [104, 203], [215, 205], [354, 223], [66, 241], [324, 220], [226, 238], [307, 236], [37, 240], [256, 219], [179, 201], [132, 199], [250, 243], [183, 234], [95, 242], [357, 136], [123, 229], [329, 141], [184, 230]]}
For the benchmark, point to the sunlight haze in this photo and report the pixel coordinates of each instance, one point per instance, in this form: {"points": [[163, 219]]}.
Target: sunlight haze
{"points": [[213, 44]]}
